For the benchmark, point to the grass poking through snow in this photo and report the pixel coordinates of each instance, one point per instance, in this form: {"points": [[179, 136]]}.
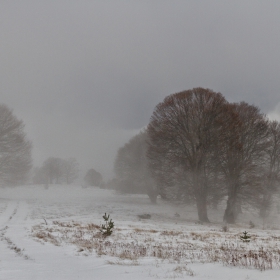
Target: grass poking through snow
{"points": [[181, 247]]}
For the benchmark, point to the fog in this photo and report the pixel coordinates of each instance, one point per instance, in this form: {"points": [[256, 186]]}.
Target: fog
{"points": [[85, 76]]}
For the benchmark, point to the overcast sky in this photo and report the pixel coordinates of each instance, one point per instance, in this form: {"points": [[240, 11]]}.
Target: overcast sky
{"points": [[85, 76]]}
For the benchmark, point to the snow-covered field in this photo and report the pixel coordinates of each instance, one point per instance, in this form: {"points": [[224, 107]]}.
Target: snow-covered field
{"points": [[54, 234]]}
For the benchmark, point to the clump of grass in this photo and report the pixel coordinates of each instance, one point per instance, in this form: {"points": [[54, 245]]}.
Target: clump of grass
{"points": [[259, 259], [144, 216], [47, 237], [173, 233], [225, 228], [145, 230], [123, 262], [183, 269]]}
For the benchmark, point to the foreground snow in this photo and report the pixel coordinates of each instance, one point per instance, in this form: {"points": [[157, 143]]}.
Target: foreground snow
{"points": [[53, 234]]}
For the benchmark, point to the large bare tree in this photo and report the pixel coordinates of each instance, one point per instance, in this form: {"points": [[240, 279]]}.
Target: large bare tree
{"points": [[182, 134], [242, 155], [15, 149], [271, 176]]}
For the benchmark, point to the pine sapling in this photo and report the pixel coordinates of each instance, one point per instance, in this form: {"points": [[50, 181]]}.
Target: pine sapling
{"points": [[245, 237], [107, 228]]}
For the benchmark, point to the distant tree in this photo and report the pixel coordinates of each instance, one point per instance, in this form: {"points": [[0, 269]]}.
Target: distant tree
{"points": [[131, 168], [93, 178], [57, 171], [15, 149], [70, 171], [182, 136], [40, 177], [53, 170]]}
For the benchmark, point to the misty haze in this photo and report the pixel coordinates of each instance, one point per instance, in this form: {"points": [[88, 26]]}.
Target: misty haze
{"points": [[139, 140]]}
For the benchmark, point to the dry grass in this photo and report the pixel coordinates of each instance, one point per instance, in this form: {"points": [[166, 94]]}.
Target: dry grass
{"points": [[47, 237], [131, 244], [260, 259], [123, 262], [145, 230], [183, 269], [173, 233]]}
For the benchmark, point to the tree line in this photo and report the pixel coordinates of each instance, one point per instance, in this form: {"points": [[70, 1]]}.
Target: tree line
{"points": [[16, 159], [199, 148], [57, 171], [64, 171]]}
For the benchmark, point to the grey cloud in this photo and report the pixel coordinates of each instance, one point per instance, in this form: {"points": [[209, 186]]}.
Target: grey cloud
{"points": [[89, 73]]}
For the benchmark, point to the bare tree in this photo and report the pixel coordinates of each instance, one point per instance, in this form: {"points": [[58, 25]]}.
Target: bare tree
{"points": [[131, 168], [242, 155], [70, 171], [182, 135], [271, 174], [53, 169], [15, 149], [57, 171]]}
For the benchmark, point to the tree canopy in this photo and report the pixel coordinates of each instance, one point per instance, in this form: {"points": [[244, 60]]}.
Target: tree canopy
{"points": [[203, 148]]}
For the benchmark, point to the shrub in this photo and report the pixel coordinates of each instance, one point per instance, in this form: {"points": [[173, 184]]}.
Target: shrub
{"points": [[245, 237], [107, 228]]}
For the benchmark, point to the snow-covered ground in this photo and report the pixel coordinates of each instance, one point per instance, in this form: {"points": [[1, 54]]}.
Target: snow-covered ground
{"points": [[54, 234]]}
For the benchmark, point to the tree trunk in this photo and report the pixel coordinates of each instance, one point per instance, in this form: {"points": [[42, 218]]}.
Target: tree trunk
{"points": [[201, 197], [265, 205], [201, 204], [230, 213], [153, 196]]}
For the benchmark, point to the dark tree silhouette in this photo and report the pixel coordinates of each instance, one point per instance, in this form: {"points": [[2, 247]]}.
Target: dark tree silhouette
{"points": [[271, 178], [182, 134], [57, 171], [15, 149], [53, 170], [242, 156], [93, 178], [70, 170]]}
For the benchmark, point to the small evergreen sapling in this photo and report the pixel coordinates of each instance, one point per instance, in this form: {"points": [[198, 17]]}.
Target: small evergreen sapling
{"points": [[245, 237], [107, 228]]}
